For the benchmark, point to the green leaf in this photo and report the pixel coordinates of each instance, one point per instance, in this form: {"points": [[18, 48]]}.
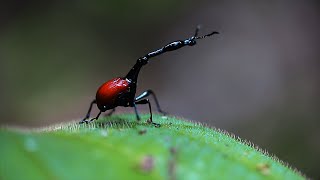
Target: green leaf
{"points": [[119, 147]]}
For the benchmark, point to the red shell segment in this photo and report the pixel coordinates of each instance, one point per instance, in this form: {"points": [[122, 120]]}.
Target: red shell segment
{"points": [[109, 91]]}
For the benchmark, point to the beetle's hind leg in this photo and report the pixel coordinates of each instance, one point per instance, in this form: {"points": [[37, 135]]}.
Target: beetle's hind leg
{"points": [[110, 112], [96, 118], [85, 119]]}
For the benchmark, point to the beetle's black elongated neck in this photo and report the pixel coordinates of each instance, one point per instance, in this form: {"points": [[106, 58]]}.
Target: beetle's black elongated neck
{"points": [[134, 72]]}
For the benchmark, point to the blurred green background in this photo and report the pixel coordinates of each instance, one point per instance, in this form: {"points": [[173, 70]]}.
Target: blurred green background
{"points": [[258, 79]]}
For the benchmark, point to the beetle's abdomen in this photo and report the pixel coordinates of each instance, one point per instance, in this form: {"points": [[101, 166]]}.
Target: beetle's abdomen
{"points": [[109, 91]]}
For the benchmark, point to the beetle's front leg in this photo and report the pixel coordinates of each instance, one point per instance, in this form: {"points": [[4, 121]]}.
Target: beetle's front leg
{"points": [[136, 111], [146, 101], [148, 93]]}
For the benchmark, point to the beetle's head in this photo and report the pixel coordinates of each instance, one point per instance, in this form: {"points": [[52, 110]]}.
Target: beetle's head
{"points": [[191, 41]]}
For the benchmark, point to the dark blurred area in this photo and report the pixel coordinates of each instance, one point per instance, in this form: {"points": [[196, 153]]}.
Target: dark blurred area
{"points": [[258, 79]]}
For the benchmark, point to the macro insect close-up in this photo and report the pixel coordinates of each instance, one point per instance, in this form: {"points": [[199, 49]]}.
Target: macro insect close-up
{"points": [[121, 91], [167, 89]]}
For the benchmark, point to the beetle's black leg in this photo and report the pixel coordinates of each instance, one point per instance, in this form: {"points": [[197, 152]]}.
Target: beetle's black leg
{"points": [[95, 117], [148, 93], [111, 112], [88, 113], [136, 111], [146, 101]]}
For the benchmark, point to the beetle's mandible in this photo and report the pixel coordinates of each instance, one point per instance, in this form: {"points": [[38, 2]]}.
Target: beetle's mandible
{"points": [[121, 91]]}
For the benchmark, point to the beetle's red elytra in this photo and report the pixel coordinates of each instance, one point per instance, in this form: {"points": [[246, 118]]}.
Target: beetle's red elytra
{"points": [[109, 91], [121, 91]]}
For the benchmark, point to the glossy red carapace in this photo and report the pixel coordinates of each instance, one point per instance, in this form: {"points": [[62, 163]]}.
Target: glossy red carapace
{"points": [[109, 91]]}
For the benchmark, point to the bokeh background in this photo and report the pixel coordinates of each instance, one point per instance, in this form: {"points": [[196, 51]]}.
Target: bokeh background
{"points": [[258, 79]]}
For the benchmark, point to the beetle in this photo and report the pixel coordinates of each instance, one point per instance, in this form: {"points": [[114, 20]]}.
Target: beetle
{"points": [[121, 91]]}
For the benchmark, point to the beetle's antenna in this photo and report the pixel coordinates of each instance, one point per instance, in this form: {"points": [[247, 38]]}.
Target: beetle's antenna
{"points": [[210, 34], [197, 30], [201, 37]]}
